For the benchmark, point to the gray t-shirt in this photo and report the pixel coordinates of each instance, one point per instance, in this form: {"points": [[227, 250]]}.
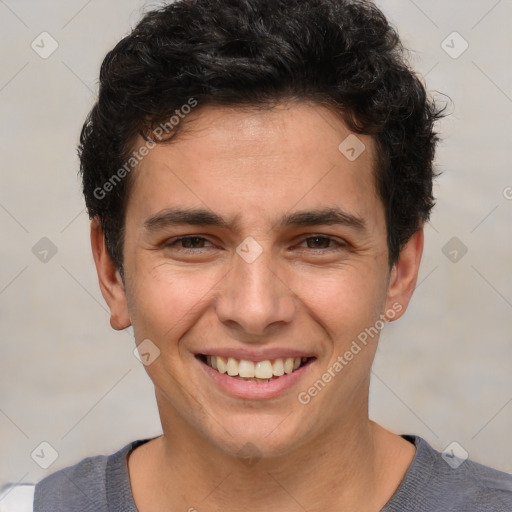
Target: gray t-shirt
{"points": [[101, 484]]}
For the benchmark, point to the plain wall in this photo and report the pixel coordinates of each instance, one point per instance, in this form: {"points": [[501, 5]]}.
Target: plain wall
{"points": [[444, 371]]}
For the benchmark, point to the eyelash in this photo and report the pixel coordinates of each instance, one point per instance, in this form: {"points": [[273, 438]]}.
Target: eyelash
{"points": [[339, 245]]}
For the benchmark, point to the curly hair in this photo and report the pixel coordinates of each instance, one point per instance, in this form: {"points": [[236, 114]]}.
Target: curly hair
{"points": [[341, 54]]}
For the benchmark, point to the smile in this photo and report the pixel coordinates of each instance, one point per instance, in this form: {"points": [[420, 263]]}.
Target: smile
{"points": [[255, 371]]}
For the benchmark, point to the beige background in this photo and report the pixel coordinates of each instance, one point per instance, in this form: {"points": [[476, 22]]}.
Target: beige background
{"points": [[444, 371]]}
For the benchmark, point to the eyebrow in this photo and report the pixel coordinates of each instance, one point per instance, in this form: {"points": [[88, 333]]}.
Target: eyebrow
{"points": [[203, 217]]}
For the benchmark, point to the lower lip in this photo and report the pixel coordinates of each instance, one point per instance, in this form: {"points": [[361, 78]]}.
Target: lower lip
{"points": [[252, 390]]}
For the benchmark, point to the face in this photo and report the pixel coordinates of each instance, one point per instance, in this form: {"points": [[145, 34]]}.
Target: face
{"points": [[255, 260]]}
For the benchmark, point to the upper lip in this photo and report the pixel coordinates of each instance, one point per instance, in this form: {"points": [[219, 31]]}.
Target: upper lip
{"points": [[256, 355]]}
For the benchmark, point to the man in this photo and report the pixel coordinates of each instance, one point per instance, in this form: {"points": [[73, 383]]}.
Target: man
{"points": [[258, 174]]}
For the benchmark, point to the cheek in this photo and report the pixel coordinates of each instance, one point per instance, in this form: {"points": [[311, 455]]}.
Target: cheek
{"points": [[163, 302], [345, 300]]}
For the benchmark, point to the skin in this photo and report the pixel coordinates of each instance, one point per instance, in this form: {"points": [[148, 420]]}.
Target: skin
{"points": [[301, 292]]}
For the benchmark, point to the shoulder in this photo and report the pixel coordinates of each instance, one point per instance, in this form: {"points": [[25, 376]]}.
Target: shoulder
{"points": [[481, 487], [83, 486], [443, 481]]}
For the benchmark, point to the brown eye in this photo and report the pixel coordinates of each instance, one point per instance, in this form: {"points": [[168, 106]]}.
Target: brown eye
{"points": [[318, 242], [192, 242], [188, 243], [322, 244]]}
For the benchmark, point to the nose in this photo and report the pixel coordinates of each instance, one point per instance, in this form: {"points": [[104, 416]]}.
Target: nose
{"points": [[254, 298]]}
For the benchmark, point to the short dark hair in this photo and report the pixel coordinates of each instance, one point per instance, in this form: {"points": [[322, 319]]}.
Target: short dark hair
{"points": [[341, 54]]}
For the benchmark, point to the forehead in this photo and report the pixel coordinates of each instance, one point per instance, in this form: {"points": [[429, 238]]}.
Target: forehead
{"points": [[254, 162]]}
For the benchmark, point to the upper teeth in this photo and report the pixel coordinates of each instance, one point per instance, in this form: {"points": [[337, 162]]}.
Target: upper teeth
{"points": [[260, 369]]}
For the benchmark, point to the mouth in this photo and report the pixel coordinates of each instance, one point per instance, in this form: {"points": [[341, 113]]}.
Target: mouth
{"points": [[255, 371]]}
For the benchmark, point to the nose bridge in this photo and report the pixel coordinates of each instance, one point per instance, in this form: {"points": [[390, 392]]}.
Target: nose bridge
{"points": [[254, 296]]}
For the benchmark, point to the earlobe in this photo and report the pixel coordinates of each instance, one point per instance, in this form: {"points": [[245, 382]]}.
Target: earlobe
{"points": [[111, 284], [404, 275]]}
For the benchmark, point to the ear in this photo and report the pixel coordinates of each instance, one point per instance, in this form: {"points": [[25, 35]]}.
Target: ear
{"points": [[404, 275], [111, 284]]}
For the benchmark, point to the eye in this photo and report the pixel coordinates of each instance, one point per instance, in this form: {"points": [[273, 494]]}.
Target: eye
{"points": [[323, 243], [315, 243], [188, 243]]}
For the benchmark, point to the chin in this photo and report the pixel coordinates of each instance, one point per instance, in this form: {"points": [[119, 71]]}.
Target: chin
{"points": [[258, 436]]}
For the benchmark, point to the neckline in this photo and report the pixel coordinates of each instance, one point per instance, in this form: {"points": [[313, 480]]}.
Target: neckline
{"points": [[118, 488], [416, 478], [119, 493]]}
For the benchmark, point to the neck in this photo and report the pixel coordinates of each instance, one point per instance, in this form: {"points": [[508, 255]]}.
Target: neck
{"points": [[353, 465]]}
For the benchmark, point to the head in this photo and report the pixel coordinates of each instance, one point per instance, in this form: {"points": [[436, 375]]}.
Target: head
{"points": [[247, 111]]}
